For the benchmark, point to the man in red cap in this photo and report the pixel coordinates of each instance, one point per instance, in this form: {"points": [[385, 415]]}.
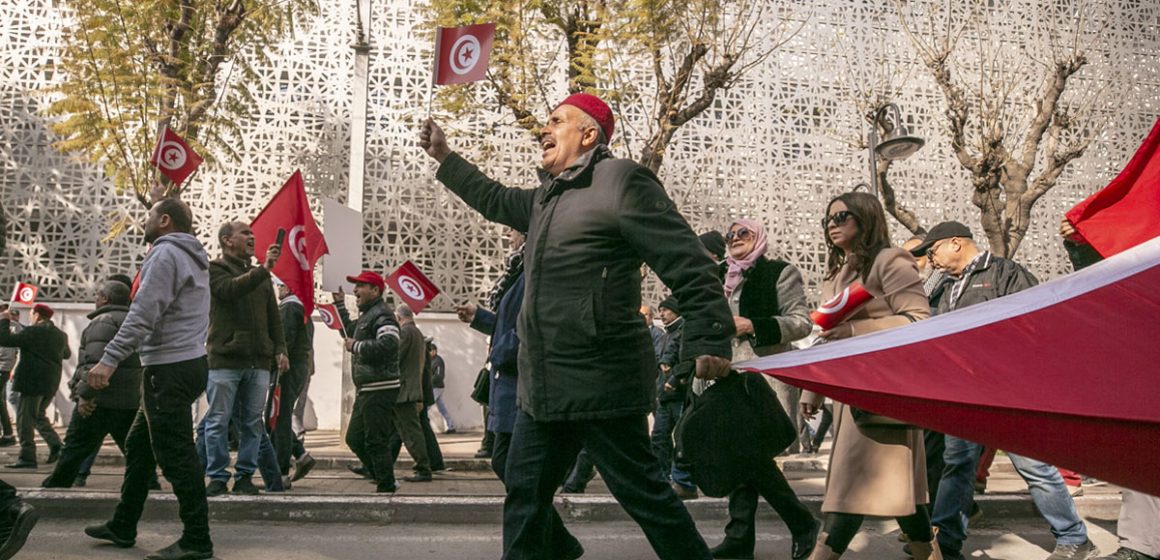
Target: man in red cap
{"points": [[373, 342], [37, 378], [586, 361]]}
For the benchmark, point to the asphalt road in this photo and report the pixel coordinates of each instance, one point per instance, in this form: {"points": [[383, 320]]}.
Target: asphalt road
{"points": [[64, 540]]}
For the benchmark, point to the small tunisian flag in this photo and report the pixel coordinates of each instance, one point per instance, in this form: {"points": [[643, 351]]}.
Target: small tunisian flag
{"points": [[174, 157], [330, 316], [413, 286], [1125, 213], [24, 294], [303, 245], [842, 305], [461, 53]]}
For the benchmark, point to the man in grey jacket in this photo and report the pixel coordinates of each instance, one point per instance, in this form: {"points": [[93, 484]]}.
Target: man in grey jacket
{"points": [[167, 325], [412, 358]]}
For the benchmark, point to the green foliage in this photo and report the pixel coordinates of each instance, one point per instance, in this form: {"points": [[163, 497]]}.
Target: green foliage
{"points": [[133, 66]]}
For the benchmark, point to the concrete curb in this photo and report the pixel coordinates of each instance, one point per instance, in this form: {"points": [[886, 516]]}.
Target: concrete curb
{"points": [[383, 510]]}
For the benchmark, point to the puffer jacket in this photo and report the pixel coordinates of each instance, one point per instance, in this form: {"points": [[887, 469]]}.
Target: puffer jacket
{"points": [[585, 352], [375, 356], [124, 390]]}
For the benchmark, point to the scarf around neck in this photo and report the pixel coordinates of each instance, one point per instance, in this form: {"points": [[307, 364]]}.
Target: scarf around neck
{"points": [[737, 267]]}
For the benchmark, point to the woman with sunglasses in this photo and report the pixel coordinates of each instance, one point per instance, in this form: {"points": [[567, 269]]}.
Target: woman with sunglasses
{"points": [[770, 311], [874, 470]]}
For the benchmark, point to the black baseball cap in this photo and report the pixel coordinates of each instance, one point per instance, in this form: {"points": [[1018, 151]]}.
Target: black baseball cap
{"points": [[944, 230]]}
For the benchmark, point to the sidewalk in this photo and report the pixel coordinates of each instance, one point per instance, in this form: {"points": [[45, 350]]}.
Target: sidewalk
{"points": [[468, 492]]}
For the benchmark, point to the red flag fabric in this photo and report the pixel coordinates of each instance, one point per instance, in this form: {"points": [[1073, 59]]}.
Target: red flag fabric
{"points": [[1063, 372], [1127, 211], [173, 157], [840, 306], [275, 407], [412, 286], [303, 245], [461, 53], [24, 294], [330, 317]]}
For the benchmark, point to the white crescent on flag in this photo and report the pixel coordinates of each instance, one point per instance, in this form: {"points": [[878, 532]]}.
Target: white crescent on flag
{"points": [[1064, 372]]}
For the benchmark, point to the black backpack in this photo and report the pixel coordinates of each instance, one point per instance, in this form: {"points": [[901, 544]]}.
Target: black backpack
{"points": [[736, 425]]}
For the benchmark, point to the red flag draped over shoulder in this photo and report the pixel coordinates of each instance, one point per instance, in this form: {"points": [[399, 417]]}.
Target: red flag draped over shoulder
{"points": [[303, 245], [1127, 211], [1063, 372]]}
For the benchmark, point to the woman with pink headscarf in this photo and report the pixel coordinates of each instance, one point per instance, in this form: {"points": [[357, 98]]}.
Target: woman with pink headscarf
{"points": [[768, 300]]}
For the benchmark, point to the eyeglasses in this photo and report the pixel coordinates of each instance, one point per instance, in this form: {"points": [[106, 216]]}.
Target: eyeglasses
{"points": [[739, 233], [838, 218], [934, 248]]}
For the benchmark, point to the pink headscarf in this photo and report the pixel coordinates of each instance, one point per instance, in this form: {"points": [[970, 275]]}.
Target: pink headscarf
{"points": [[737, 267]]}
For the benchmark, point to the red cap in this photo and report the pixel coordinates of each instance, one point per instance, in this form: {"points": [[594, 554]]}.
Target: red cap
{"points": [[368, 277], [595, 108], [43, 310]]}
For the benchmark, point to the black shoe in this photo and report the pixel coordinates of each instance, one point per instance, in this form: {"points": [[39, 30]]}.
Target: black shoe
{"points": [[21, 464], [451, 431], [216, 488], [177, 552], [803, 545], [19, 519], [80, 481], [303, 467], [104, 533], [53, 455], [730, 548], [245, 486], [155, 484], [483, 454], [7, 441], [573, 553], [359, 470], [419, 477], [386, 488]]}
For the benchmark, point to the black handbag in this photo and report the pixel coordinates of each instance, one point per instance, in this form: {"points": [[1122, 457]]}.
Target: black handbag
{"points": [[735, 426], [481, 392]]}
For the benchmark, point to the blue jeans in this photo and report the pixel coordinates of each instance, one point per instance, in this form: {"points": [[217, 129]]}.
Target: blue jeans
{"points": [[957, 486], [448, 423], [665, 419], [241, 394]]}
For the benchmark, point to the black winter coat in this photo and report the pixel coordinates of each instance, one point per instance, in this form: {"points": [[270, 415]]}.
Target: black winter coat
{"points": [[124, 390], [42, 349], [585, 352], [375, 357], [995, 277]]}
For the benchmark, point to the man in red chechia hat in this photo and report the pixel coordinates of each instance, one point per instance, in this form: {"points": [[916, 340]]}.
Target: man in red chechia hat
{"points": [[586, 363]]}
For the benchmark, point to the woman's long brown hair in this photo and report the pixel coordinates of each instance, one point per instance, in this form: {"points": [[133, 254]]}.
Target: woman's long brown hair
{"points": [[872, 237]]}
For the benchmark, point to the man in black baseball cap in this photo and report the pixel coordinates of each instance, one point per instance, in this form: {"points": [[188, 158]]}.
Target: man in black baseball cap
{"points": [[944, 230]]}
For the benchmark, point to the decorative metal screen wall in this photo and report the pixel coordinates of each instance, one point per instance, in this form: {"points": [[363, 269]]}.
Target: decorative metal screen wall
{"points": [[769, 148]]}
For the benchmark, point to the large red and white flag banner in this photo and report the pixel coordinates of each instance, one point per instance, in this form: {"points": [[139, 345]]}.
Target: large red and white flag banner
{"points": [[1127, 211], [462, 53], [303, 245], [173, 157], [415, 289], [1064, 372], [24, 294]]}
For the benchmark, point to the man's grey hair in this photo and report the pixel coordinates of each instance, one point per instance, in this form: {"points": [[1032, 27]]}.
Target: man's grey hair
{"points": [[404, 311], [116, 293], [586, 122]]}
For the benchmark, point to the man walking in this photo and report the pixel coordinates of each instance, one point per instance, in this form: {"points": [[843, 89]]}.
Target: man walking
{"points": [[373, 343], [975, 277], [109, 411], [587, 370], [7, 364], [245, 338], [439, 384], [166, 325], [299, 334], [37, 378], [409, 404]]}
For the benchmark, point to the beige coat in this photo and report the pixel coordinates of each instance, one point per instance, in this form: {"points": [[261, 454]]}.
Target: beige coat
{"points": [[877, 471]]}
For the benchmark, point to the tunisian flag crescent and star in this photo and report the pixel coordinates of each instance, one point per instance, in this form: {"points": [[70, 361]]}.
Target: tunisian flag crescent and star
{"points": [[303, 245], [173, 157], [410, 284], [461, 53]]}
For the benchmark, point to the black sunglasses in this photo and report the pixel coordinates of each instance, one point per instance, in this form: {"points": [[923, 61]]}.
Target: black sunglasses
{"points": [[740, 233], [838, 218]]}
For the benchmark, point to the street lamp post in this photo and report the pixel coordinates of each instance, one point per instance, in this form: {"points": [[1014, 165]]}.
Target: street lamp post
{"points": [[898, 144]]}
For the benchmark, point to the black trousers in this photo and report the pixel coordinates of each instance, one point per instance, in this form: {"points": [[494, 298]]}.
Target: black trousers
{"points": [[84, 437], [162, 434], [32, 418], [369, 433], [935, 444], [542, 454], [768, 482], [293, 381], [434, 454]]}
